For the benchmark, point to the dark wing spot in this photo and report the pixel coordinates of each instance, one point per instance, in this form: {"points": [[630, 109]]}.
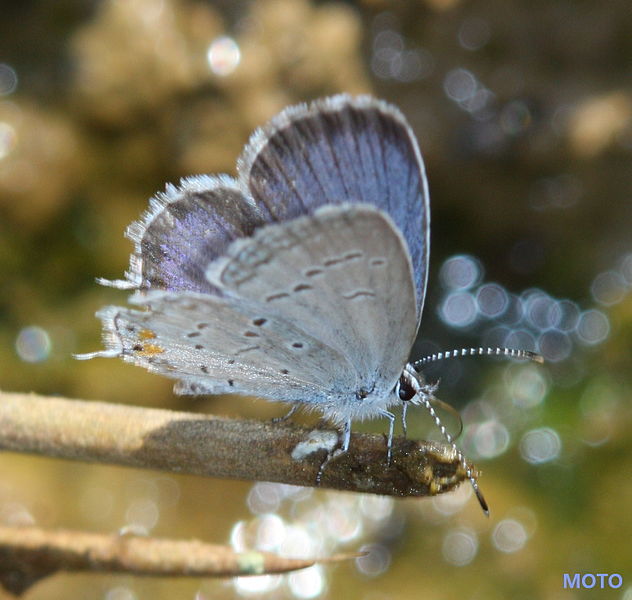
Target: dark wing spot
{"points": [[199, 347], [193, 334], [297, 345], [313, 272], [259, 322], [231, 361], [284, 371], [277, 296], [302, 286], [204, 369], [336, 260], [251, 333], [332, 261], [137, 348], [202, 325], [231, 383], [377, 262]]}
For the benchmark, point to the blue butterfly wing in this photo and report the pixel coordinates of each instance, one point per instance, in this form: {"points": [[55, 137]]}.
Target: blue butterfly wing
{"points": [[185, 229], [337, 150], [342, 150]]}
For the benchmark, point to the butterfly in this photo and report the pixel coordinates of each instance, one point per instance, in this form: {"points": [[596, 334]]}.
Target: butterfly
{"points": [[301, 281]]}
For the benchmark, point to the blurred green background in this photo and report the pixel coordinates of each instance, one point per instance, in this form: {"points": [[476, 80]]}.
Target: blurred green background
{"points": [[523, 111]]}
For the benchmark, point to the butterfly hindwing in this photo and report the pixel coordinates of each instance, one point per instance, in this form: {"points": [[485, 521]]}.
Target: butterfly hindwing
{"points": [[342, 275], [216, 345]]}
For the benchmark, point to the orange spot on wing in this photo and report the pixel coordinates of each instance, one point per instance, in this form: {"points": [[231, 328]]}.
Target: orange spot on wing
{"points": [[151, 350], [146, 334]]}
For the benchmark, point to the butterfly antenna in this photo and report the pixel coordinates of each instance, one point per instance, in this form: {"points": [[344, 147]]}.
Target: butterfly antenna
{"points": [[424, 395], [480, 351]]}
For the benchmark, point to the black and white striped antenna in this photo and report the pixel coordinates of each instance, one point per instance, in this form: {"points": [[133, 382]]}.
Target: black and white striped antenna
{"points": [[425, 396], [480, 351]]}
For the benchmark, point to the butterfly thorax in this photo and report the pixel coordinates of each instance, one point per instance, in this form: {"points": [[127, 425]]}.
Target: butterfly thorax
{"points": [[366, 401]]}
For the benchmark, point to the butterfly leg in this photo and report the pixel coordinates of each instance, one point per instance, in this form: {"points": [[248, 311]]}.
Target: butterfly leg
{"points": [[343, 447], [404, 413], [391, 428], [346, 435], [286, 416]]}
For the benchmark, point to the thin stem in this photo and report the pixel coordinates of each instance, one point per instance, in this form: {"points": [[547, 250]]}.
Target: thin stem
{"points": [[218, 447], [28, 554]]}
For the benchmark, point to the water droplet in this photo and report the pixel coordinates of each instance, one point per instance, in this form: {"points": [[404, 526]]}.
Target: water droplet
{"points": [[593, 327], [509, 536], [474, 33], [540, 445], [608, 288], [375, 562], [8, 79], [459, 309], [460, 546], [460, 84], [33, 344], [223, 56], [492, 300], [460, 272]]}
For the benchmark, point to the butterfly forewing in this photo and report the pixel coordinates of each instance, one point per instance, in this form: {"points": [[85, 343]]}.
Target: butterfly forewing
{"points": [[342, 150], [184, 229]]}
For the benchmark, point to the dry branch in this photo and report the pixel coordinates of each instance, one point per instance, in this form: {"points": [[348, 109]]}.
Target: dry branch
{"points": [[214, 446], [28, 554]]}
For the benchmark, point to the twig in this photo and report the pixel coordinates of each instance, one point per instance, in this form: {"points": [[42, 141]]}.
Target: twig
{"points": [[28, 554], [214, 446]]}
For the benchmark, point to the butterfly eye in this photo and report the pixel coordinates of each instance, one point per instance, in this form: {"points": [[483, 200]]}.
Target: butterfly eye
{"points": [[404, 390]]}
